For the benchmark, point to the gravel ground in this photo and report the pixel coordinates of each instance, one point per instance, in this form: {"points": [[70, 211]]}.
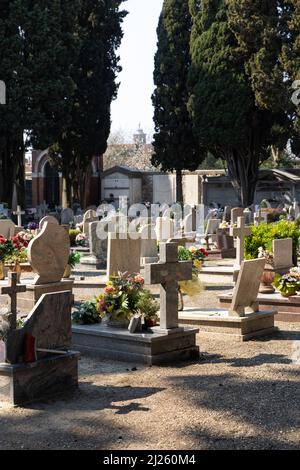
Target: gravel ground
{"points": [[237, 396]]}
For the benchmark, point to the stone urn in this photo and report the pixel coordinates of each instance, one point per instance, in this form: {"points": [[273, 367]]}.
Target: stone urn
{"points": [[267, 279]]}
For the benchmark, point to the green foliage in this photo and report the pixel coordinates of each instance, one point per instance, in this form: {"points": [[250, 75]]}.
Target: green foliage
{"points": [[74, 258], [230, 120], [263, 235], [147, 305], [174, 144], [94, 75], [86, 314]]}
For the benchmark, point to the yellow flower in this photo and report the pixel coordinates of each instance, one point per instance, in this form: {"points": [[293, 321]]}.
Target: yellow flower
{"points": [[109, 283], [198, 264], [192, 249]]}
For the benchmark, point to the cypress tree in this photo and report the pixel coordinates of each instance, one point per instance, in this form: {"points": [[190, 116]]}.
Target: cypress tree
{"points": [[94, 74], [231, 118], [174, 143]]}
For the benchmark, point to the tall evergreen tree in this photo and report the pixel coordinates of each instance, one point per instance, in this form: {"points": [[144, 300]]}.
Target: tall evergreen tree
{"points": [[231, 120], [174, 143], [291, 62], [94, 74], [36, 52]]}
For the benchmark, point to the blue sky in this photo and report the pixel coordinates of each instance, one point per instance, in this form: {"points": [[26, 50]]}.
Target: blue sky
{"points": [[133, 104]]}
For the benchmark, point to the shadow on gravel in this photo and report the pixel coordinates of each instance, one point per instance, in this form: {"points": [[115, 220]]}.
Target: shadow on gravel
{"points": [[271, 407]]}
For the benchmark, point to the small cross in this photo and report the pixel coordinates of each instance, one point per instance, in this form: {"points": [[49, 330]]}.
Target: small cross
{"points": [[19, 214], [168, 272], [241, 232], [12, 290]]}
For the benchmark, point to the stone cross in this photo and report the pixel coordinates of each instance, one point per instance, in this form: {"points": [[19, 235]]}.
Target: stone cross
{"points": [[12, 290], [19, 214], [240, 232], [168, 272]]}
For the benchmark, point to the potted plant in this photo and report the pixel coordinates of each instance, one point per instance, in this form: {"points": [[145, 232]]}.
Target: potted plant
{"points": [[148, 308], [74, 258], [119, 301], [288, 284], [86, 314]]}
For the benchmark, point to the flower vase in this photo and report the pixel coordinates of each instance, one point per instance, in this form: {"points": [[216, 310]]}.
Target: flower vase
{"points": [[267, 279], [2, 273]]}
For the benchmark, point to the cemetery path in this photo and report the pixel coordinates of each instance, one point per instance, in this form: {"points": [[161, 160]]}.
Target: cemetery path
{"points": [[238, 396]]}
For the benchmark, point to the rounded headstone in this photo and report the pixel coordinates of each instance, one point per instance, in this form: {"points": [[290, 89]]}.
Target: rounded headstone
{"points": [[48, 254]]}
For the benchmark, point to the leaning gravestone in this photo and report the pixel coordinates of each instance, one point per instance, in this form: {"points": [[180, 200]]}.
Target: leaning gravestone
{"points": [[124, 255], [149, 248], [48, 218], [243, 321], [66, 217], [36, 361]]}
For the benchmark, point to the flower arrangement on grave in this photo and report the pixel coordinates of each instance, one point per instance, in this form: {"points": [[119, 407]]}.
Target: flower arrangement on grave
{"points": [[195, 286], [120, 299], [73, 234], [148, 307], [6, 248], [288, 284], [81, 240], [86, 314]]}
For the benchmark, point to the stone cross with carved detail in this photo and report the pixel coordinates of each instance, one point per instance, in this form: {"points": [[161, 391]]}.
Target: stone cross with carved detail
{"points": [[240, 232], [19, 214], [12, 289], [168, 272]]}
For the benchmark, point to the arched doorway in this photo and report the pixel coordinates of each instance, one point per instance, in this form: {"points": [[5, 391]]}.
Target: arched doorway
{"points": [[51, 186]]}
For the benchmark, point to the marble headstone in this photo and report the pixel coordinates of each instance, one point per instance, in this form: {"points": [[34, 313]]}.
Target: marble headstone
{"points": [[48, 254]]}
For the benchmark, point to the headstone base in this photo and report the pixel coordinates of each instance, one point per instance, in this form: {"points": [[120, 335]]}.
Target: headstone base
{"points": [[219, 323], [150, 348], [288, 308], [45, 379], [28, 299], [93, 262]]}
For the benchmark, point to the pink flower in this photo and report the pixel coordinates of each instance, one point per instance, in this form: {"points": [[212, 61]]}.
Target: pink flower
{"points": [[109, 289]]}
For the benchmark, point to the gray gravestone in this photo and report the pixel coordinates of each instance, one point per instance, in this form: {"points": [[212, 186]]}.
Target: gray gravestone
{"points": [[67, 216]]}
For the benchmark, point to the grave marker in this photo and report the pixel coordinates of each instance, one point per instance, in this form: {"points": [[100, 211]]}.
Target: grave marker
{"points": [[240, 232], [168, 272]]}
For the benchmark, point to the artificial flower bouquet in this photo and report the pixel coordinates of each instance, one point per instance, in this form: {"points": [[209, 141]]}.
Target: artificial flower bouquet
{"points": [[288, 284], [125, 296], [81, 240]]}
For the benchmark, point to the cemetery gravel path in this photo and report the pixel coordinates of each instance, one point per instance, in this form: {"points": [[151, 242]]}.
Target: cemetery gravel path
{"points": [[237, 396]]}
